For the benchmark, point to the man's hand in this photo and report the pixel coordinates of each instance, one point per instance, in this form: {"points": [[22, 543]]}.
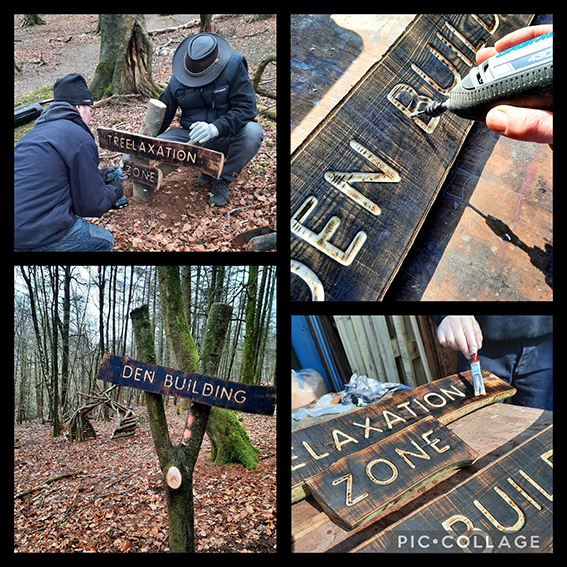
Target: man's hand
{"points": [[461, 332], [202, 132], [527, 124]]}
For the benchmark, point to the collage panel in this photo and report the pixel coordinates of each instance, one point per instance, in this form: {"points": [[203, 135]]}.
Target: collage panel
{"points": [[145, 408]]}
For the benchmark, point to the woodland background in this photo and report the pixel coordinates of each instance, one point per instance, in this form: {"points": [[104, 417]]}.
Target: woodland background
{"points": [[116, 502]]}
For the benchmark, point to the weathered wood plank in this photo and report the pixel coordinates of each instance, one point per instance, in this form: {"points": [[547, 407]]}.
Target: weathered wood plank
{"points": [[508, 506], [358, 487], [144, 173], [316, 448], [363, 182], [176, 153], [204, 389]]}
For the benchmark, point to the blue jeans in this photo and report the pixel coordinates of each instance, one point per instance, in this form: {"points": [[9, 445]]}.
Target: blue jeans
{"points": [[525, 364], [238, 150], [83, 237]]}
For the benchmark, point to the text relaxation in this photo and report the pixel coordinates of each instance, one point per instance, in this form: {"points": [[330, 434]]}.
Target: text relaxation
{"points": [[204, 389]]}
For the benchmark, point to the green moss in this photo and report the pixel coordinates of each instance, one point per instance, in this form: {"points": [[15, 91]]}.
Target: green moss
{"points": [[107, 91], [229, 441]]}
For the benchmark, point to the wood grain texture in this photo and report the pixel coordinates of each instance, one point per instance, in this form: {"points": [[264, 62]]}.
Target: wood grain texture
{"points": [[509, 504], [363, 182], [316, 448], [359, 487]]}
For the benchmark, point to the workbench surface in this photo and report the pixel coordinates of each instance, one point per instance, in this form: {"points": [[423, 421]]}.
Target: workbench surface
{"points": [[491, 431]]}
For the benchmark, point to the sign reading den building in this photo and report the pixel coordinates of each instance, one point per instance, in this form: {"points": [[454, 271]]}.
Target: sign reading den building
{"points": [[204, 389]]}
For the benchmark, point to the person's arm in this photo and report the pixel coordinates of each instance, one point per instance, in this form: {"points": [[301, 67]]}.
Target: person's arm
{"points": [[90, 195], [167, 99]]}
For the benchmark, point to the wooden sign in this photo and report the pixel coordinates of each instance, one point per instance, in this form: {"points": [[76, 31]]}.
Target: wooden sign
{"points": [[505, 507], [204, 389], [144, 173], [363, 182], [316, 448], [176, 153], [358, 487]]}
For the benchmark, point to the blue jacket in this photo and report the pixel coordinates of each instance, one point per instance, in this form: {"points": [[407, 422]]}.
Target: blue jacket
{"points": [[229, 102], [56, 178]]}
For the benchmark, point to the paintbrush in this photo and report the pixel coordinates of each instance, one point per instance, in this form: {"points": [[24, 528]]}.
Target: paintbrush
{"points": [[478, 382]]}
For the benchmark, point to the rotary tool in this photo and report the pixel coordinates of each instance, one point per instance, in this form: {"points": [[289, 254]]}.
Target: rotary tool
{"points": [[520, 76]]}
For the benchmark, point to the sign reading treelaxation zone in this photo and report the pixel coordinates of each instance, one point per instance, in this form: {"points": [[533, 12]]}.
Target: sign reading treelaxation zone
{"points": [[204, 389]]}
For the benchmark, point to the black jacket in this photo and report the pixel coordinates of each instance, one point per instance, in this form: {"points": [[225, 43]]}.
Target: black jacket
{"points": [[56, 178], [510, 327], [229, 102]]}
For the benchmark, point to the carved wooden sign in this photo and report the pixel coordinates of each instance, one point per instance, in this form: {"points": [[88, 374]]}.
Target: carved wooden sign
{"points": [[144, 173], [505, 507], [176, 153], [316, 448], [363, 182], [204, 389], [358, 487]]}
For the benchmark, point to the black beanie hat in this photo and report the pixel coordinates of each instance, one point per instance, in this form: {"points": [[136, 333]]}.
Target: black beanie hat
{"points": [[73, 89]]}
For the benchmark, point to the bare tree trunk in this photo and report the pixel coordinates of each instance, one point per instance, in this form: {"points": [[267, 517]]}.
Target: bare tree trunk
{"points": [[177, 462], [125, 57]]}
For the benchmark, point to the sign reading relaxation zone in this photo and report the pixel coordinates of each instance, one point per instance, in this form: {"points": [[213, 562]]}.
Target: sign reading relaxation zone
{"points": [[176, 153], [204, 389], [315, 449]]}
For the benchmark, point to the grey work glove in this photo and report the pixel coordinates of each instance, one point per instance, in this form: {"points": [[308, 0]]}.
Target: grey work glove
{"points": [[202, 132]]}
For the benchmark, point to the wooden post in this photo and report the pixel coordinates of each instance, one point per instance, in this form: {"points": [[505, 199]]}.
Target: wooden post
{"points": [[150, 127]]}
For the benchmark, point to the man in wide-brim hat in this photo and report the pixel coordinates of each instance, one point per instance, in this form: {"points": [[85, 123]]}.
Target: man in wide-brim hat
{"points": [[210, 84]]}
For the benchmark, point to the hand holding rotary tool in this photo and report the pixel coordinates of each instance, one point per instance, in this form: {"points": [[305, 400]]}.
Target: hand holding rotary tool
{"points": [[520, 76]]}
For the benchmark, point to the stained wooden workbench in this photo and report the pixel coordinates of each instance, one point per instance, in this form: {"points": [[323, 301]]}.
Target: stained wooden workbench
{"points": [[491, 431]]}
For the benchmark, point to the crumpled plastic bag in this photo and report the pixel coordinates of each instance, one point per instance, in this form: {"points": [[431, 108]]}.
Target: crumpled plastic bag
{"points": [[363, 391], [360, 391]]}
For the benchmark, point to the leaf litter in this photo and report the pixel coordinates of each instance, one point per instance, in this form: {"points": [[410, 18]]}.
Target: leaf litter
{"points": [[118, 503]]}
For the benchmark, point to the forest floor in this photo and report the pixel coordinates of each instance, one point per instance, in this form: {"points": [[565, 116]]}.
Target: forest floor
{"points": [[178, 218], [118, 504]]}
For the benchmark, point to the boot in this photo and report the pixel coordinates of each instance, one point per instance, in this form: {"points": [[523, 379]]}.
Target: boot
{"points": [[204, 180], [219, 192]]}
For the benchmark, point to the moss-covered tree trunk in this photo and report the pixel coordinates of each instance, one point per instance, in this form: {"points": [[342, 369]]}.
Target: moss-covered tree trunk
{"points": [[247, 376], [125, 64], [177, 462], [229, 441]]}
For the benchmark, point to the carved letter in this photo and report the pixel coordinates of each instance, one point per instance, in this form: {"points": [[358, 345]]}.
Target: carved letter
{"points": [[348, 500], [341, 180], [367, 427], [124, 371], [310, 278], [521, 516], [321, 240], [369, 474], [339, 444], [312, 452], [421, 455], [433, 82], [402, 96], [389, 422]]}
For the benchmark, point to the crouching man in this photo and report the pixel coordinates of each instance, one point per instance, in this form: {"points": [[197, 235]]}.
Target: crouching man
{"points": [[211, 85], [56, 178]]}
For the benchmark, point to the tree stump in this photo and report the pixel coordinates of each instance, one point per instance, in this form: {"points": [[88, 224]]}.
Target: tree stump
{"points": [[150, 127]]}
